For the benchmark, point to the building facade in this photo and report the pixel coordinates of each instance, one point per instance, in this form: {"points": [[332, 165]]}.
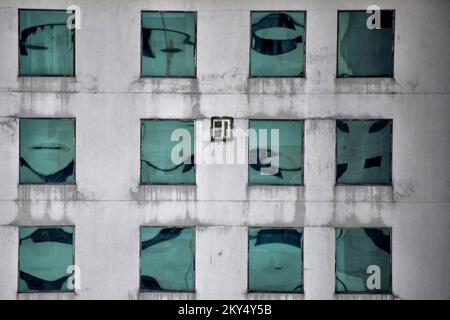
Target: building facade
{"points": [[109, 209]]}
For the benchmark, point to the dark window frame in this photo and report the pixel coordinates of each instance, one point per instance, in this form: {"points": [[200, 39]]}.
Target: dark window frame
{"points": [[250, 76], [377, 292], [302, 271], [390, 183], [302, 184], [20, 74], [387, 76], [194, 256], [74, 157], [71, 291], [140, 153], [141, 75]]}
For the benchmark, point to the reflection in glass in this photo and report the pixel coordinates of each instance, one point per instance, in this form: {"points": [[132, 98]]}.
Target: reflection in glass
{"points": [[363, 260], [167, 259], [365, 52], [284, 166], [47, 151], [157, 164], [277, 44], [168, 44], [46, 45], [45, 253], [275, 260], [364, 151]]}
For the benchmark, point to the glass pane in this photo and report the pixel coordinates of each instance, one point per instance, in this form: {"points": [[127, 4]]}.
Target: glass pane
{"points": [[364, 151], [362, 51], [47, 151], [168, 44], [46, 45], [44, 256], [275, 260], [363, 260], [167, 259], [276, 152], [164, 161], [277, 44]]}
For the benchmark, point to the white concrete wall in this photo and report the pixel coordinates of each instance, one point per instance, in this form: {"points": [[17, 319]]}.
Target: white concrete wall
{"points": [[108, 99]]}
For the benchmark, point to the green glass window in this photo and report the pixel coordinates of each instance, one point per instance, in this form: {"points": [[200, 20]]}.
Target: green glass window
{"points": [[47, 151], [363, 260], [275, 260], [45, 255], [277, 44], [168, 44], [46, 44], [363, 151], [167, 152], [276, 152], [167, 259], [364, 52]]}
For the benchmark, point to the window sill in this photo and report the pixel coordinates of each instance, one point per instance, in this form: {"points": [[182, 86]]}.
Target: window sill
{"points": [[165, 85], [167, 296], [362, 193], [364, 296], [163, 192], [288, 85], [46, 296], [276, 192], [48, 83], [275, 296], [48, 192], [50, 76], [365, 85]]}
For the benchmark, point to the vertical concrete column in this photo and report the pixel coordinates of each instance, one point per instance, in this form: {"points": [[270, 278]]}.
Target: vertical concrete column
{"points": [[9, 68], [107, 252], [320, 159], [321, 49], [9, 157], [9, 251], [221, 262], [319, 262], [221, 168]]}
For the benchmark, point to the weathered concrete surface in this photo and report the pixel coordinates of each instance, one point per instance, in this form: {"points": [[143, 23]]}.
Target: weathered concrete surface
{"points": [[108, 99]]}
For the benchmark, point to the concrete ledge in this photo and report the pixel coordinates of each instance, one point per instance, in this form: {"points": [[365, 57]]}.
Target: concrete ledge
{"points": [[48, 84], [167, 296], [48, 192], [366, 85], [164, 85], [363, 296], [47, 296], [275, 296], [275, 193], [364, 193], [276, 85], [165, 193]]}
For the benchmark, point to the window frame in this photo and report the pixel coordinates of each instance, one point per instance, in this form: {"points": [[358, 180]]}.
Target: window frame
{"points": [[390, 291], [74, 147], [302, 271], [141, 75], [391, 143], [388, 76], [72, 291], [141, 184], [250, 76], [20, 74], [194, 258], [302, 184]]}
